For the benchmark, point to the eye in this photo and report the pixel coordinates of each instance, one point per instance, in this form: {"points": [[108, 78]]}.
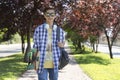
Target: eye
{"points": [[50, 14]]}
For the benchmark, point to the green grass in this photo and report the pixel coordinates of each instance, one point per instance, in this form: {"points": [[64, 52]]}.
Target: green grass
{"points": [[99, 66], [12, 67]]}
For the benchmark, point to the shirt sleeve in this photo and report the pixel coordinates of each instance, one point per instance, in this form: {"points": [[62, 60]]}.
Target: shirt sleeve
{"points": [[62, 35]]}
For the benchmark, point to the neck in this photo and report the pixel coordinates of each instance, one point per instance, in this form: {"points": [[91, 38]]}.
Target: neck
{"points": [[50, 23]]}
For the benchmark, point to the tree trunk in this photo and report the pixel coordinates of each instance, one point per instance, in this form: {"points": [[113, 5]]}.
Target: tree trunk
{"points": [[93, 45], [79, 45], [109, 46], [23, 44], [28, 43], [97, 42], [75, 44]]}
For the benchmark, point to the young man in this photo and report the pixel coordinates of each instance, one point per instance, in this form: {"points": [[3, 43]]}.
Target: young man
{"points": [[46, 43]]}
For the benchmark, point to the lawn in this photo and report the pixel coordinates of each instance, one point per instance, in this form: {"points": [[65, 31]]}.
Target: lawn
{"points": [[12, 67], [99, 66]]}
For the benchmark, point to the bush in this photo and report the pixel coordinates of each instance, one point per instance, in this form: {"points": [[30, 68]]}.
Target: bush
{"points": [[16, 39]]}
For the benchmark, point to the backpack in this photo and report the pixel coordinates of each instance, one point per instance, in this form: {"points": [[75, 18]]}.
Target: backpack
{"points": [[64, 57]]}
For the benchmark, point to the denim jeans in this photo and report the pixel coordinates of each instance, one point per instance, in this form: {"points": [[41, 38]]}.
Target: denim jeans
{"points": [[53, 75]]}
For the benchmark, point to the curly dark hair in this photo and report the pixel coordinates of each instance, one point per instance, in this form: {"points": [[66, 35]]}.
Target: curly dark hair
{"points": [[49, 8]]}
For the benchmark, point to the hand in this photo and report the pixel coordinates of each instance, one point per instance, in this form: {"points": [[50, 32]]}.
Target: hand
{"points": [[60, 44]]}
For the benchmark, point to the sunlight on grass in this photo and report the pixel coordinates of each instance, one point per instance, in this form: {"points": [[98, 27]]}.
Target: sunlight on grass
{"points": [[99, 66], [11, 67]]}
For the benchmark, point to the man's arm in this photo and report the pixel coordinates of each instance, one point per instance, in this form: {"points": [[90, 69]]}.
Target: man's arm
{"points": [[62, 43], [35, 39]]}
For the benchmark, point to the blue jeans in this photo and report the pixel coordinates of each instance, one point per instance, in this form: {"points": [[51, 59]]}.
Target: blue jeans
{"points": [[53, 75]]}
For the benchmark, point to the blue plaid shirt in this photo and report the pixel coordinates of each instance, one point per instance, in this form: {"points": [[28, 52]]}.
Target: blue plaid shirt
{"points": [[40, 43]]}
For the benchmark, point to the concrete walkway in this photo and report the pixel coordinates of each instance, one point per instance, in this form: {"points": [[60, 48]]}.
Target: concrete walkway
{"points": [[71, 72], [8, 50]]}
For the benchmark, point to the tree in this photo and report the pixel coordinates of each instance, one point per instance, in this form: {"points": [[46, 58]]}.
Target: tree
{"points": [[86, 17], [7, 18], [107, 14], [93, 17]]}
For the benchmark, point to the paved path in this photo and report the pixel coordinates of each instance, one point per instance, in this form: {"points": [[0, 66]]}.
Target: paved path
{"points": [[71, 72], [7, 50], [115, 50], [104, 48]]}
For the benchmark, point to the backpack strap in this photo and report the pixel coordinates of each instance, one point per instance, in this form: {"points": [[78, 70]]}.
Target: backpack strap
{"points": [[58, 33], [58, 37]]}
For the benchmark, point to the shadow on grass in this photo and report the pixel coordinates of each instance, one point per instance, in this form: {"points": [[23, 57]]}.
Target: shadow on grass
{"points": [[89, 58], [11, 67]]}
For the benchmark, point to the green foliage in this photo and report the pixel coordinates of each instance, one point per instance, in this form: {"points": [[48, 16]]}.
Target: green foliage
{"points": [[1, 35], [2, 32], [93, 38], [99, 66], [16, 38], [73, 48], [76, 39], [11, 67]]}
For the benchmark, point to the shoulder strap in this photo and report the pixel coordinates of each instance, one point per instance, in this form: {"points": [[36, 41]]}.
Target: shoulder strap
{"points": [[58, 36], [58, 33], [43, 30]]}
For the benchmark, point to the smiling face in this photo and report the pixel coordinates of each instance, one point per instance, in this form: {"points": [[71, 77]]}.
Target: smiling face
{"points": [[50, 15]]}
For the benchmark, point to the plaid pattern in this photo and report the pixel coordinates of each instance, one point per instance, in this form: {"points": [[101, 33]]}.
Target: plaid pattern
{"points": [[40, 43]]}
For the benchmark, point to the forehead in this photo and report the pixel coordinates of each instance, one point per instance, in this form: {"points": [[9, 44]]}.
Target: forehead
{"points": [[50, 10]]}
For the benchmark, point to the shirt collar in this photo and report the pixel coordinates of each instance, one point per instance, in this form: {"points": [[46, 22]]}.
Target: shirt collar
{"points": [[47, 26]]}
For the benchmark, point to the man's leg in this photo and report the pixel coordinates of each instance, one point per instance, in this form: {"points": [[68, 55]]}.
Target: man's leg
{"points": [[43, 75], [53, 75]]}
